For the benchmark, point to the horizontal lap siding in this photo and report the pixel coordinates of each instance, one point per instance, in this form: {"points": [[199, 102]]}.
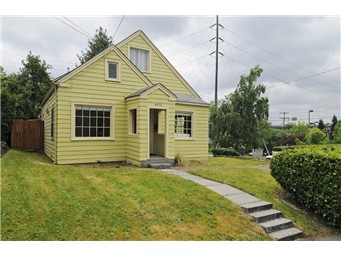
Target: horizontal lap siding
{"points": [[198, 147], [160, 72], [161, 98], [49, 143], [89, 86]]}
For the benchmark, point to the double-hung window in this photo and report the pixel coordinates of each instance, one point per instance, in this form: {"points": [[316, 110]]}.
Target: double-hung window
{"points": [[93, 122], [183, 125], [140, 58], [112, 70]]}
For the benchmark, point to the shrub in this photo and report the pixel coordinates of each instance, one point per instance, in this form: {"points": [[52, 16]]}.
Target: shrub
{"points": [[313, 177], [178, 159], [288, 140], [316, 136], [225, 152]]}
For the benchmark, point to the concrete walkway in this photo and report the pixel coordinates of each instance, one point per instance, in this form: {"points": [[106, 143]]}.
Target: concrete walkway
{"points": [[261, 211]]}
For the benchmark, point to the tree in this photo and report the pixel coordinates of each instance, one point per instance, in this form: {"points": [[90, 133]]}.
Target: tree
{"points": [[321, 125], [300, 129], [22, 93], [334, 122], [316, 136], [337, 133], [240, 120], [98, 43], [8, 103], [34, 82]]}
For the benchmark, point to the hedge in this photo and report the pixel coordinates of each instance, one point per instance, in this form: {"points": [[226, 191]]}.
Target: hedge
{"points": [[313, 177], [225, 152]]}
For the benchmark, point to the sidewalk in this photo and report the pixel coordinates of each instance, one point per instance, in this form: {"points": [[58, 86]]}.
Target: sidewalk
{"points": [[269, 219], [252, 206]]}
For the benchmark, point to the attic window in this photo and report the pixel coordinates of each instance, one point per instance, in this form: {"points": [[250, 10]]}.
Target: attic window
{"points": [[140, 58], [112, 70]]}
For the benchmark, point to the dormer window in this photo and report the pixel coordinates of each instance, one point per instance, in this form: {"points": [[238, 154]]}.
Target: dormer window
{"points": [[140, 58]]}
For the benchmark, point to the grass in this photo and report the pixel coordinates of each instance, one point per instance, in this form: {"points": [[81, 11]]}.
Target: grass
{"points": [[42, 201], [254, 177]]}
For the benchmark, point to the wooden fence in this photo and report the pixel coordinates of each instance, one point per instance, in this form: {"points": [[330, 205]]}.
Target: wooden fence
{"points": [[27, 135]]}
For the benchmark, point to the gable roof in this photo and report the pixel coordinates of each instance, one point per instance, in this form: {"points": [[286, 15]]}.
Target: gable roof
{"points": [[157, 51], [180, 97], [113, 47], [147, 90]]}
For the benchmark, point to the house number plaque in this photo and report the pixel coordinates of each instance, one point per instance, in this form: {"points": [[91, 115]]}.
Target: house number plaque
{"points": [[158, 104]]}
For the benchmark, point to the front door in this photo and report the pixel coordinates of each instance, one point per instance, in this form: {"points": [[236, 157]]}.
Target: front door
{"points": [[157, 132]]}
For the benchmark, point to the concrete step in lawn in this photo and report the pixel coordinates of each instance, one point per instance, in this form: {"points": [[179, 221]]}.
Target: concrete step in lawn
{"points": [[288, 234], [276, 225], [271, 221], [159, 165], [256, 206]]}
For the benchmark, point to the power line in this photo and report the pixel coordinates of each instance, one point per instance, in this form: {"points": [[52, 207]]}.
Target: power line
{"points": [[173, 54], [72, 27], [276, 66], [77, 26], [183, 63], [302, 78], [271, 53], [118, 27], [201, 30]]}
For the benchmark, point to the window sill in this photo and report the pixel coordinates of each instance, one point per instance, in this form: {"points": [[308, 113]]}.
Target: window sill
{"points": [[112, 80], [92, 139], [183, 138]]}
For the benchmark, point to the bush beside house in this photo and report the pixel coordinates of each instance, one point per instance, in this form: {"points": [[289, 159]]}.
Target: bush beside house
{"points": [[313, 177]]}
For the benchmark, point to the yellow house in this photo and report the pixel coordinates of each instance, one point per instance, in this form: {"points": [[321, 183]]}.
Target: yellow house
{"points": [[128, 103]]}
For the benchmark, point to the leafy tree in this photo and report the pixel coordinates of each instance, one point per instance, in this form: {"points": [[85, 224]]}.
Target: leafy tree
{"points": [[22, 93], [321, 125], [300, 129], [240, 120], [8, 104], [334, 122], [274, 135], [316, 136], [337, 133], [98, 43], [33, 83]]}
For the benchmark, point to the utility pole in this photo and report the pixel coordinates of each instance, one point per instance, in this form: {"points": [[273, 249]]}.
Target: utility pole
{"points": [[284, 113], [217, 53]]}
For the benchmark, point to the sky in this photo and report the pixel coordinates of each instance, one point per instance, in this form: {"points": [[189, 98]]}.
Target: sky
{"points": [[293, 51]]}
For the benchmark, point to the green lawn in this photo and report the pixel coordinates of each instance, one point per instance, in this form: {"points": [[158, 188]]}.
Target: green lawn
{"points": [[42, 201], [254, 177]]}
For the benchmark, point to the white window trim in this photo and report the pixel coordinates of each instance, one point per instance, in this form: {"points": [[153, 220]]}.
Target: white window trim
{"points": [[177, 137], [149, 56], [107, 61], [52, 129], [130, 123], [112, 121]]}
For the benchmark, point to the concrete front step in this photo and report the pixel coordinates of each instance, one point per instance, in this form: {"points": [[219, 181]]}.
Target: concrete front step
{"points": [[266, 215], [288, 234], [256, 206], [159, 165], [276, 225]]}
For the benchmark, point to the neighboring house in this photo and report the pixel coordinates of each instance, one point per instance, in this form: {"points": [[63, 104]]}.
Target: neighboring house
{"points": [[128, 103]]}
